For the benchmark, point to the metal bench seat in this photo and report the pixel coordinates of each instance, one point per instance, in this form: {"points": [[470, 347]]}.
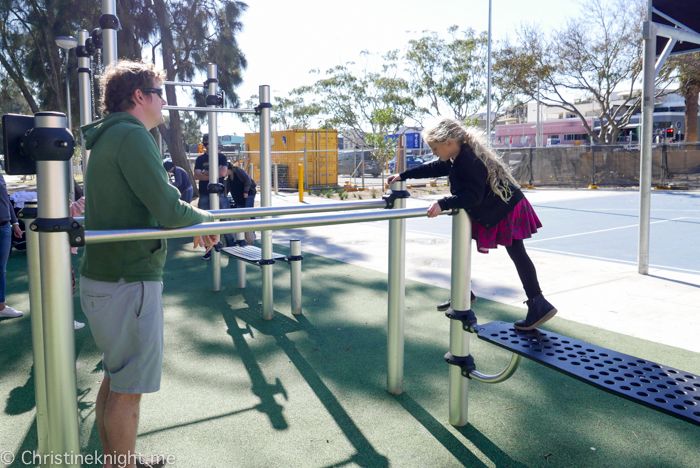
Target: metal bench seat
{"points": [[671, 391], [249, 254]]}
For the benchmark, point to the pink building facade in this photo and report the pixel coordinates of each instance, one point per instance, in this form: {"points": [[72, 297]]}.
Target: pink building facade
{"points": [[564, 132]]}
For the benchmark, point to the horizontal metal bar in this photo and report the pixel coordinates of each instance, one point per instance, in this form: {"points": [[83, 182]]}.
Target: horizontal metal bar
{"points": [[672, 20], [271, 224], [182, 83], [677, 33], [210, 109], [234, 213]]}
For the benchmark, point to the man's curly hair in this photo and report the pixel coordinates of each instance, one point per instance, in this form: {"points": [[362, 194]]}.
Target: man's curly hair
{"points": [[119, 81]]}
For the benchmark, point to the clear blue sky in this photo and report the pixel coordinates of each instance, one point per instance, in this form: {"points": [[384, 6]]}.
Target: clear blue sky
{"points": [[283, 39]]}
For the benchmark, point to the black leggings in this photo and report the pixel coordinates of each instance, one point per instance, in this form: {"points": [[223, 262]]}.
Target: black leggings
{"points": [[525, 267]]}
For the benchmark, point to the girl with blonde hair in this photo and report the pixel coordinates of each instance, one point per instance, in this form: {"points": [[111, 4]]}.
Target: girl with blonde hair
{"points": [[481, 184]]}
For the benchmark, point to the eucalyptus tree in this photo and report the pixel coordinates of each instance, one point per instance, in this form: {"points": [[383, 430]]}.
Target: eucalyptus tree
{"points": [[449, 75], [689, 80]]}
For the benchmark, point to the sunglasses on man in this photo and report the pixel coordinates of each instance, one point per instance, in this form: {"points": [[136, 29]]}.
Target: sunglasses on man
{"points": [[158, 91]]}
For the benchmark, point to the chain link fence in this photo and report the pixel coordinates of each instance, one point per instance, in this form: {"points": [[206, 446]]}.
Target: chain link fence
{"points": [[675, 165]]}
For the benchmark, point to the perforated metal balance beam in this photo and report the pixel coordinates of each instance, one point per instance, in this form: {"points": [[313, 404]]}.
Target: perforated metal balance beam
{"points": [[671, 391], [249, 254]]}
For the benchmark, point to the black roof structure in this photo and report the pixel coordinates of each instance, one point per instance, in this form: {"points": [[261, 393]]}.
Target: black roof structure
{"points": [[684, 12]]}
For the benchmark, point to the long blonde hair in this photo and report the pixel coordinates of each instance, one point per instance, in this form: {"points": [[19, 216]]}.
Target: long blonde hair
{"points": [[498, 174]]}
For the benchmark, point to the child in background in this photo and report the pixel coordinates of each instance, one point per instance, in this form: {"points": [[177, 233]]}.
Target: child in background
{"points": [[482, 185], [76, 209]]}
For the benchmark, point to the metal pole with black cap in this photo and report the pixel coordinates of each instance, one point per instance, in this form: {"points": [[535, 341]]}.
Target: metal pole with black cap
{"points": [[51, 146], [28, 214]]}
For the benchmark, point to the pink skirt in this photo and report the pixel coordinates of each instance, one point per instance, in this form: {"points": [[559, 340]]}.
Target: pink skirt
{"points": [[521, 223]]}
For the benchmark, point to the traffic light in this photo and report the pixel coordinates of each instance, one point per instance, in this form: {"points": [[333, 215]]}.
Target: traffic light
{"points": [[670, 133]]}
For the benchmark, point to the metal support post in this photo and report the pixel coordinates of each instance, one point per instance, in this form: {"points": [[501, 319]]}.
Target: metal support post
{"points": [[460, 301], [110, 25], [28, 214], [241, 264], [56, 296], [84, 77], [266, 199], [295, 273], [397, 292], [213, 87], [649, 35]]}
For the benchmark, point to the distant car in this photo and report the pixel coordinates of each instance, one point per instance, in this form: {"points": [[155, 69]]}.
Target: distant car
{"points": [[351, 164], [411, 162]]}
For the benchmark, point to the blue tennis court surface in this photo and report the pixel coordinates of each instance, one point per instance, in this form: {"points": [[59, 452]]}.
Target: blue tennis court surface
{"points": [[605, 226]]}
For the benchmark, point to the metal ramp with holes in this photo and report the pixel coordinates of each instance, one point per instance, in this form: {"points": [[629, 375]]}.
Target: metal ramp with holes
{"points": [[249, 254], [671, 391]]}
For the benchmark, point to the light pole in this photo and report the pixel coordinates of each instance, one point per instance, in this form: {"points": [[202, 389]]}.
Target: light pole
{"points": [[488, 84], [67, 43]]}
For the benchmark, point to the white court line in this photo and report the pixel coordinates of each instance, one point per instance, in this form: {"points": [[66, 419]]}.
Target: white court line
{"points": [[602, 230], [614, 260]]}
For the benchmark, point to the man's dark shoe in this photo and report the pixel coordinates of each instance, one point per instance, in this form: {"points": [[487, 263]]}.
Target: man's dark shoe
{"points": [[206, 256], [446, 305], [154, 461], [538, 312]]}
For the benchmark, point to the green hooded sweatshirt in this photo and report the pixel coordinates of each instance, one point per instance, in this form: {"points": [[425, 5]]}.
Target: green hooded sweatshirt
{"points": [[126, 187]]}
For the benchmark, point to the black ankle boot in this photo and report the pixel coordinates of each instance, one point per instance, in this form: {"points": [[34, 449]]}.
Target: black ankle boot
{"points": [[446, 305], [538, 312]]}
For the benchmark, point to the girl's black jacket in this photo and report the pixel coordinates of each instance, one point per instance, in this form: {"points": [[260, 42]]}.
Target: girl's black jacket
{"points": [[469, 187]]}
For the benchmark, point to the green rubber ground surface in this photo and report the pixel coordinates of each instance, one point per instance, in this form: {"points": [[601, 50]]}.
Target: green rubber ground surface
{"points": [[310, 390]]}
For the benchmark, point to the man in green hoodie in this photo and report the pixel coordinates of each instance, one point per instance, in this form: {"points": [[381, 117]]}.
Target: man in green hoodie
{"points": [[121, 282]]}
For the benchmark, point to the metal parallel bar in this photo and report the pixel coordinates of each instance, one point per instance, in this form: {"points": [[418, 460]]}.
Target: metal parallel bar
{"points": [[270, 224], [295, 273], [214, 169], [396, 292], [460, 300], [299, 209], [266, 199], [183, 83], [37, 323], [210, 109]]}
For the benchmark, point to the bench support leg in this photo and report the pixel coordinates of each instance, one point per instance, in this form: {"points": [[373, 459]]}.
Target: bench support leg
{"points": [[241, 264], [295, 273], [460, 298]]}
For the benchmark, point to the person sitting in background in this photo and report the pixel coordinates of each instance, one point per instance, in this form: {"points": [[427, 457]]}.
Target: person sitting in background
{"points": [[181, 182], [240, 186]]}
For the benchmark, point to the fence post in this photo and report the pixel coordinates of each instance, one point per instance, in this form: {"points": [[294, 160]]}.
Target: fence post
{"points": [[277, 192], [531, 178], [301, 183], [664, 165], [592, 163]]}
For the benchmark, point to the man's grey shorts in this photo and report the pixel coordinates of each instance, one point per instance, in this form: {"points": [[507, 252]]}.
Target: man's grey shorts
{"points": [[126, 320]]}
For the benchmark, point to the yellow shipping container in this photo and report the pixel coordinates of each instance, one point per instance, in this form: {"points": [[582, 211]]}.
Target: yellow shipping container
{"points": [[290, 147]]}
